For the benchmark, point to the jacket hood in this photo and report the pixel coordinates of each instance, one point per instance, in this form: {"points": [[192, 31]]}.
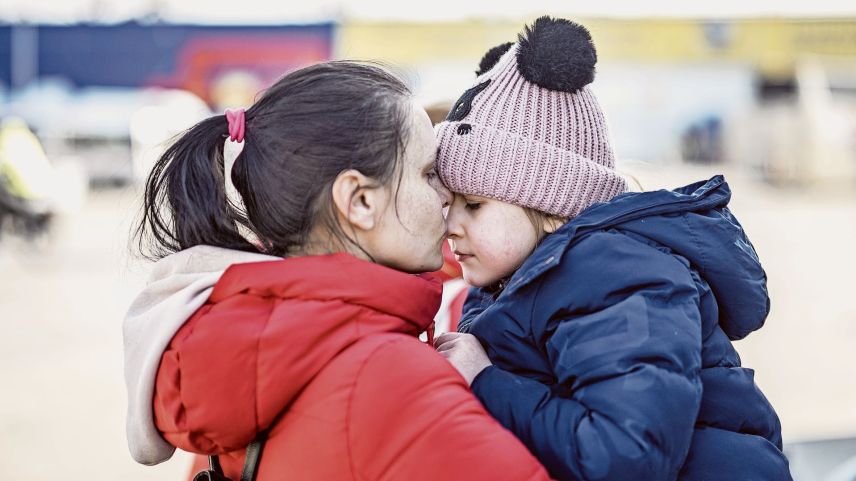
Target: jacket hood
{"points": [[694, 222], [178, 285], [266, 331]]}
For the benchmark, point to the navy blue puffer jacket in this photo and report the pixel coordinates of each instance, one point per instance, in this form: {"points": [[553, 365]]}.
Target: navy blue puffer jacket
{"points": [[612, 346]]}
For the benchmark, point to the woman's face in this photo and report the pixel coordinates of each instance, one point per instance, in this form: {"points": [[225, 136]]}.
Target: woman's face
{"points": [[411, 231]]}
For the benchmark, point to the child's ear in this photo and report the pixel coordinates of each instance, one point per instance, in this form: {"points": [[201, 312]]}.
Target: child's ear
{"points": [[357, 199]]}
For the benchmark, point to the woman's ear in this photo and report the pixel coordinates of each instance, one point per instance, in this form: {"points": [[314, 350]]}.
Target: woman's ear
{"points": [[357, 200]]}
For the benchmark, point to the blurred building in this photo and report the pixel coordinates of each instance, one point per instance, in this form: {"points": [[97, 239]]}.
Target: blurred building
{"points": [[777, 96], [111, 95], [188, 57]]}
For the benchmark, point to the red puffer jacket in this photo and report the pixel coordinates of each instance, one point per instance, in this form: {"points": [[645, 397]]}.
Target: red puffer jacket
{"points": [[322, 353]]}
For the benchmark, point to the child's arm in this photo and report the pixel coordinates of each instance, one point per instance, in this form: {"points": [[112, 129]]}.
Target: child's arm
{"points": [[629, 362]]}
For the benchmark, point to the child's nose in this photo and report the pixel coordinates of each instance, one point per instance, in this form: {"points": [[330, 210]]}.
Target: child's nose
{"points": [[445, 194], [453, 227]]}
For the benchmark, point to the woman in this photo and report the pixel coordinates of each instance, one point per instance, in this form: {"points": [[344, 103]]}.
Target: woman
{"points": [[308, 338]]}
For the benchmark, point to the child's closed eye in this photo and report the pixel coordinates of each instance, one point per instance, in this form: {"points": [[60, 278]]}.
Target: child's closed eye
{"points": [[472, 205]]}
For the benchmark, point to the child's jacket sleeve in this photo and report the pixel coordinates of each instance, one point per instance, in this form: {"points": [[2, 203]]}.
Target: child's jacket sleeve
{"points": [[625, 353]]}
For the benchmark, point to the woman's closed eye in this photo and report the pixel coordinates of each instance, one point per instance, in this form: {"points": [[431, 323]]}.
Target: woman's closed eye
{"points": [[472, 205]]}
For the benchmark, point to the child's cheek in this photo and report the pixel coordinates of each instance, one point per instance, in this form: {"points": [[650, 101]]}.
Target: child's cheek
{"points": [[470, 276]]}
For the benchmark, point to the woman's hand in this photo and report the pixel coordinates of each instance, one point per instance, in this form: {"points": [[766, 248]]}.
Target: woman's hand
{"points": [[465, 352]]}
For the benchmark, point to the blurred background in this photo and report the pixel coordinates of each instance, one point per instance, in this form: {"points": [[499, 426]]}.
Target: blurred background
{"points": [[91, 89]]}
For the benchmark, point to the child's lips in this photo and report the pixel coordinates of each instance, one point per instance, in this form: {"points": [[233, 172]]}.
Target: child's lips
{"points": [[461, 257]]}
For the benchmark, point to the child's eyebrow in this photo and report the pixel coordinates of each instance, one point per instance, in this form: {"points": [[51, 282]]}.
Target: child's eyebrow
{"points": [[474, 197]]}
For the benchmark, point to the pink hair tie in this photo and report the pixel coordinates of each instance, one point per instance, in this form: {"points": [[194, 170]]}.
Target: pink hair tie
{"points": [[236, 124]]}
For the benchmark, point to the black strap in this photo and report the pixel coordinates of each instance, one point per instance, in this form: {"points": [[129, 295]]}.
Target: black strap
{"points": [[213, 473], [214, 464], [251, 460], [251, 464]]}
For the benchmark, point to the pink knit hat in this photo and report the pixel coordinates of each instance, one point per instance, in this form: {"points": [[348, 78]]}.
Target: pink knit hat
{"points": [[530, 132]]}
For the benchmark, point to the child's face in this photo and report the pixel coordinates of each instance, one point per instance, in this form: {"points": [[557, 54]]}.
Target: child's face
{"points": [[490, 238]]}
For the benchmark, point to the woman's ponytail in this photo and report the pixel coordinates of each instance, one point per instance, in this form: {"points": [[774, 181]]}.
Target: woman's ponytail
{"points": [[185, 202], [307, 128]]}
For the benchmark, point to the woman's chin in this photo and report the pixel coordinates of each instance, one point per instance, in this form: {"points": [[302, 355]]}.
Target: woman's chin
{"points": [[428, 264], [435, 264]]}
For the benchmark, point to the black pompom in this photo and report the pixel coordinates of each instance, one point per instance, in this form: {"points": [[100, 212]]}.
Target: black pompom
{"points": [[491, 57], [556, 54]]}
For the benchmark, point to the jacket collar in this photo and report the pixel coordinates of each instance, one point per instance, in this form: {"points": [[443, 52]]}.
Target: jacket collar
{"points": [[340, 277], [622, 208]]}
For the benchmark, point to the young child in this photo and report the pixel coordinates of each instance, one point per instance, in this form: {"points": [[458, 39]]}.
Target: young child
{"points": [[600, 329]]}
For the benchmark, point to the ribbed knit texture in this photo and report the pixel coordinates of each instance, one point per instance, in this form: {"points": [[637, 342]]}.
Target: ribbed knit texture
{"points": [[530, 146]]}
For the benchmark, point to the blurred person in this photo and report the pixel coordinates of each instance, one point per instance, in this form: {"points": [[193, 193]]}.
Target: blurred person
{"points": [[20, 216], [23, 161], [600, 328], [438, 111], [287, 327], [27, 180]]}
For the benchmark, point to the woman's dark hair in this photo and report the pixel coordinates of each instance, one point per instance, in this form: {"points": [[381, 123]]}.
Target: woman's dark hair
{"points": [[305, 130]]}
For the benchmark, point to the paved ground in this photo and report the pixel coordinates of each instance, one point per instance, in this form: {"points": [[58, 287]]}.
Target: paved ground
{"points": [[63, 407], [61, 304]]}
